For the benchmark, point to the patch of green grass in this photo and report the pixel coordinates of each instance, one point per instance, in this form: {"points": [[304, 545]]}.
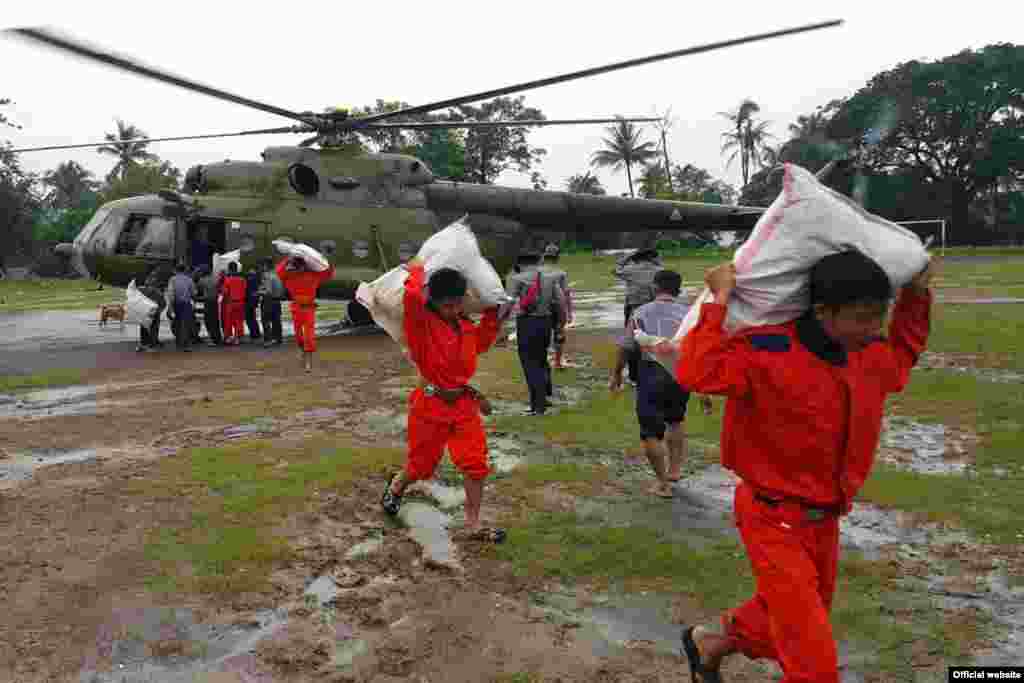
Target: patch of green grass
{"points": [[985, 329], [357, 357], [55, 294], [518, 677], [42, 380], [237, 495]]}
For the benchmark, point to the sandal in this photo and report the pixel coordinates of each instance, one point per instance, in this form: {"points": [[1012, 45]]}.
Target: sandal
{"points": [[391, 501], [698, 673], [484, 535]]}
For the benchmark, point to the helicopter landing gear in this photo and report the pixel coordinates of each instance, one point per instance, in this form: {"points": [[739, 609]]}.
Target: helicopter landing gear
{"points": [[358, 316]]}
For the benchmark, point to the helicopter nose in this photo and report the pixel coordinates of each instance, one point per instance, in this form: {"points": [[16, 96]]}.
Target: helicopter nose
{"points": [[65, 249]]}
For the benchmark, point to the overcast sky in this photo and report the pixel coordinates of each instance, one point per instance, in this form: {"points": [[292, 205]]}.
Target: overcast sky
{"points": [[307, 56]]}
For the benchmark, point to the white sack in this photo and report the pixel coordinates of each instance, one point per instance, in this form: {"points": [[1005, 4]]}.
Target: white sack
{"points": [[805, 223], [221, 261], [669, 360], [313, 258], [138, 308], [453, 247], [456, 247]]}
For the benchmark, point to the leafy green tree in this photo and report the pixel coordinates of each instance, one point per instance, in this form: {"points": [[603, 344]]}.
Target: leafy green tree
{"points": [[623, 149], [584, 183], [18, 200], [492, 151], [125, 146], [957, 122], [68, 185], [445, 153], [747, 139], [146, 178]]}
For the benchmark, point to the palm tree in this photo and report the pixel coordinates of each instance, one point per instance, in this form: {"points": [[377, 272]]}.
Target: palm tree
{"points": [[68, 183], [584, 183], [122, 146], [747, 139], [624, 148]]}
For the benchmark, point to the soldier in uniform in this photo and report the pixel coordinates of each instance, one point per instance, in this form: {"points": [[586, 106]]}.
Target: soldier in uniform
{"points": [[539, 298], [207, 293], [637, 271]]}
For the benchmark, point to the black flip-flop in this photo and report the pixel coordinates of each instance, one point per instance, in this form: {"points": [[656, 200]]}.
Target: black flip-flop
{"points": [[698, 673], [390, 501]]}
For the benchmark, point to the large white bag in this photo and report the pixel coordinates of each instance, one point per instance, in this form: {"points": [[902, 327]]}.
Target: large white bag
{"points": [[138, 308], [805, 223], [313, 258], [453, 247], [221, 261]]}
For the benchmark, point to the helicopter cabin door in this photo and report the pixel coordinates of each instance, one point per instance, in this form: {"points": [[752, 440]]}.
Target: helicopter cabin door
{"points": [[251, 237]]}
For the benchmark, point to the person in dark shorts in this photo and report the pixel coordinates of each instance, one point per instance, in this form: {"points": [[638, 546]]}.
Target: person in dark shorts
{"points": [[660, 401]]}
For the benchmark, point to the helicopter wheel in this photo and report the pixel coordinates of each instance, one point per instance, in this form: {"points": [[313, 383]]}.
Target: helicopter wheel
{"points": [[358, 315]]}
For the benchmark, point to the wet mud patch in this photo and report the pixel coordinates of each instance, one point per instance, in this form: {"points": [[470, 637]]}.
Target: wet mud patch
{"points": [[20, 467], [927, 448], [74, 400]]}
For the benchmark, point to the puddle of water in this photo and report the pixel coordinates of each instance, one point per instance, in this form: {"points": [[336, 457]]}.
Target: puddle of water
{"points": [[323, 589], [926, 445], [261, 425], [21, 466], [319, 414], [428, 526], [446, 497], [168, 645], [75, 400]]}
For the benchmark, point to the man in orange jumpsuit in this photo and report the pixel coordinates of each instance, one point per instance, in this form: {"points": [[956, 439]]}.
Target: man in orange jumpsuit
{"points": [[233, 290], [445, 410], [802, 421], [302, 283]]}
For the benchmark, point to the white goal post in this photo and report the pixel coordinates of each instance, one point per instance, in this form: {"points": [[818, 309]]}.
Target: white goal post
{"points": [[941, 222]]}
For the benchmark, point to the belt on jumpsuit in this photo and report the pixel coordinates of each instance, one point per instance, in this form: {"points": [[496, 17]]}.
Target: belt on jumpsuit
{"points": [[450, 396], [811, 513]]}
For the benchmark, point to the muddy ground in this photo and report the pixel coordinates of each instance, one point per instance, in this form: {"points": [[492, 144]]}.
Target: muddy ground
{"points": [[93, 479]]}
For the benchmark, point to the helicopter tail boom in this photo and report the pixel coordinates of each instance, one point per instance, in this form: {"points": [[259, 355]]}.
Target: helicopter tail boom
{"points": [[594, 213]]}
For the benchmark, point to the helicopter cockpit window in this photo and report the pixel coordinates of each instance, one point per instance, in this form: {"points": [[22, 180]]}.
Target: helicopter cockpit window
{"points": [[360, 249], [147, 236], [303, 180], [105, 237]]}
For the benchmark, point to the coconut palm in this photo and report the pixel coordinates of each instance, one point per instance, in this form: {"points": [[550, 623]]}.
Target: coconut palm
{"points": [[624, 148], [584, 183], [68, 184], [747, 139], [123, 146]]}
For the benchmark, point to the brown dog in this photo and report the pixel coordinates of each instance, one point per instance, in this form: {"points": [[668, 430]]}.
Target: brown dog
{"points": [[111, 312]]}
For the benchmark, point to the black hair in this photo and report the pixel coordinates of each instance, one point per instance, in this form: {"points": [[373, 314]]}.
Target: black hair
{"points": [[668, 281], [180, 268], [232, 267], [446, 283], [848, 277], [529, 258]]}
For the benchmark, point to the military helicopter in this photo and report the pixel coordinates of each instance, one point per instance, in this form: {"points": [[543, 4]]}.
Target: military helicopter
{"points": [[366, 212]]}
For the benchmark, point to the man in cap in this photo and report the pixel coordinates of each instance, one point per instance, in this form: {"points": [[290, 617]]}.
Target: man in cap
{"points": [[539, 299], [637, 271], [178, 295]]}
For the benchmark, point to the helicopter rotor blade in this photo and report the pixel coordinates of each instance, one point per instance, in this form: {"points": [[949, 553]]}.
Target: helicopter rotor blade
{"points": [[493, 124], [67, 44], [530, 85], [265, 131]]}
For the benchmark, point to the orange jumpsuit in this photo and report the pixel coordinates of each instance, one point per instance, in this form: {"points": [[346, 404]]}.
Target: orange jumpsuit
{"points": [[302, 286], [234, 306], [446, 357], [801, 428]]}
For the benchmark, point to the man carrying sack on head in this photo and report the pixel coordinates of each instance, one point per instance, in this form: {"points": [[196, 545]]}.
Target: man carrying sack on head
{"points": [[302, 282], [445, 410]]}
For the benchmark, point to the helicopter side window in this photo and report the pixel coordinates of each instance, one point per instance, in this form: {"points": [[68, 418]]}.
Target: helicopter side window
{"points": [[131, 236]]}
